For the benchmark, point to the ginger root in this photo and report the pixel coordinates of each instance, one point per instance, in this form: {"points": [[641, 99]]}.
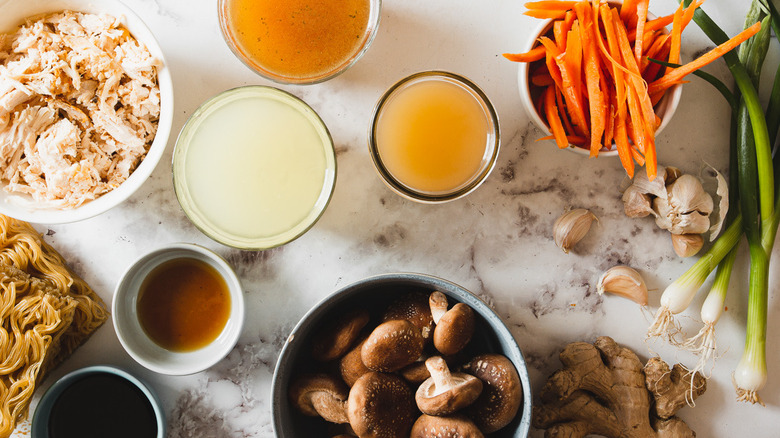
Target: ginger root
{"points": [[604, 389]]}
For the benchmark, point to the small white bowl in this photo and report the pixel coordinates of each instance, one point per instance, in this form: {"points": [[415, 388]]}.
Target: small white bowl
{"points": [[12, 14], [138, 344], [664, 109]]}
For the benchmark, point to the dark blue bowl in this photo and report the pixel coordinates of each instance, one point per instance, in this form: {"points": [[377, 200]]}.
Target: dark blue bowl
{"points": [[375, 293]]}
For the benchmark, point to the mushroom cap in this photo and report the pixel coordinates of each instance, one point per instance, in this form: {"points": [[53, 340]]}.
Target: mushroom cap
{"points": [[351, 364], [502, 392], [381, 405], [445, 393], [335, 340], [415, 373], [392, 345], [413, 307], [320, 395], [454, 330], [428, 426]]}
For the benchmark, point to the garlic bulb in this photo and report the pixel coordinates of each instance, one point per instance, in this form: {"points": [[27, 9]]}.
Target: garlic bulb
{"points": [[625, 282], [571, 227], [686, 245]]}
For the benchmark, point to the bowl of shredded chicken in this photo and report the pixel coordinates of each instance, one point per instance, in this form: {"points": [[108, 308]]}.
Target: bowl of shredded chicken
{"points": [[86, 106]]}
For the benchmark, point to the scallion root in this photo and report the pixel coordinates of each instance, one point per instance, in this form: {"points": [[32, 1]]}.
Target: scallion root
{"points": [[664, 326]]}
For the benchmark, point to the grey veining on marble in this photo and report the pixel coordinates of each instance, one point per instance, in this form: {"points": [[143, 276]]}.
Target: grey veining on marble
{"points": [[497, 242]]}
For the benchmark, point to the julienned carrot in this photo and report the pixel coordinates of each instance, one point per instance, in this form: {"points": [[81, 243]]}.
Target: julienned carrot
{"points": [[652, 25], [676, 36], [641, 19], [596, 103], [574, 55], [562, 111], [662, 44], [675, 75], [621, 141], [572, 139], [532, 55], [644, 127], [609, 103], [545, 14], [553, 121], [560, 32], [628, 12], [572, 97]]}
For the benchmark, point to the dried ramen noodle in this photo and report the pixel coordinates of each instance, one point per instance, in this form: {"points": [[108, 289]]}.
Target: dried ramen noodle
{"points": [[46, 312], [79, 107]]}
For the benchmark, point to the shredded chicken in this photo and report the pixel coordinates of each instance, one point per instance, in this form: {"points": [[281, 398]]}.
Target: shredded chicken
{"points": [[79, 106]]}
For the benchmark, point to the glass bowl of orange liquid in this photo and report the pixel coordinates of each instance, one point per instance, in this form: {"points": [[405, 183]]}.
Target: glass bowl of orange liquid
{"points": [[434, 137], [299, 41]]}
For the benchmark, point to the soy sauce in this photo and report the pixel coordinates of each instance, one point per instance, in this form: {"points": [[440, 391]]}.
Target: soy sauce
{"points": [[102, 405]]}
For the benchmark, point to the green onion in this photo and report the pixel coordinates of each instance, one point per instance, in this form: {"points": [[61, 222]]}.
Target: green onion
{"points": [[678, 295], [757, 181]]}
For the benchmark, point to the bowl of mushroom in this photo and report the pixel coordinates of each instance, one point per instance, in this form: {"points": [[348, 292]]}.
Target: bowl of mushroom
{"points": [[401, 355]]}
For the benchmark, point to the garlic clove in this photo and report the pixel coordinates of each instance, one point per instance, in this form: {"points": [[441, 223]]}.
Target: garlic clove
{"points": [[656, 187], [686, 245], [571, 227], [636, 203], [672, 173], [686, 194], [625, 282], [690, 223]]}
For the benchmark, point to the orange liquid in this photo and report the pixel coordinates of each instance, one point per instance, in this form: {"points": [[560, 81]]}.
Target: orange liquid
{"points": [[299, 38], [432, 136], [183, 304]]}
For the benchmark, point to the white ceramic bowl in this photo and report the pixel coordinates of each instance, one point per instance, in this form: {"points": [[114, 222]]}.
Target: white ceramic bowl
{"points": [[665, 108], [12, 14], [144, 350]]}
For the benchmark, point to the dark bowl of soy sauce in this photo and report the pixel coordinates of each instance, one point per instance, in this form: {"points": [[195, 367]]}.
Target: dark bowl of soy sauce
{"points": [[99, 401]]}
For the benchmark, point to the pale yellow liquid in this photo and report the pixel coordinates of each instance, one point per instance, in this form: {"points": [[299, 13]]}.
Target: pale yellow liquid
{"points": [[432, 136], [255, 167]]}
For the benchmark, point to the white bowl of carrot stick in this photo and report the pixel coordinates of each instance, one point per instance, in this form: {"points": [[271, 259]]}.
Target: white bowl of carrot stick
{"points": [[570, 71]]}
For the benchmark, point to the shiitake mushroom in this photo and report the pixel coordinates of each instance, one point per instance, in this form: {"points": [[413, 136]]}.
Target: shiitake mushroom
{"points": [[396, 346]]}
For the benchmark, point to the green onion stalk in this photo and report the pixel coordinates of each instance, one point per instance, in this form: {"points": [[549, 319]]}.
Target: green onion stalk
{"points": [[759, 206]]}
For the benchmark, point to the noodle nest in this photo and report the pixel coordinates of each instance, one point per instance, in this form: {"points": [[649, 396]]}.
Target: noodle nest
{"points": [[46, 312]]}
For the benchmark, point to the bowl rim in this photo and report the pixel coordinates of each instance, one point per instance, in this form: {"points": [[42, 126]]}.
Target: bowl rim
{"points": [[25, 207], [668, 103], [41, 415], [372, 28], [493, 147], [278, 393], [128, 329]]}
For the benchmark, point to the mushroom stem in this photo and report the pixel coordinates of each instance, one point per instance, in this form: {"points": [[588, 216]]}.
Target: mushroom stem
{"points": [[438, 303], [440, 373]]}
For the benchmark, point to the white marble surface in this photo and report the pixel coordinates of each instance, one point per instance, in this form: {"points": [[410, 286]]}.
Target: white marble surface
{"points": [[496, 242]]}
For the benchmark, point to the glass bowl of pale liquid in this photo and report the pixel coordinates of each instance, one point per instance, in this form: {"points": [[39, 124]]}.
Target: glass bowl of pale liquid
{"points": [[254, 167]]}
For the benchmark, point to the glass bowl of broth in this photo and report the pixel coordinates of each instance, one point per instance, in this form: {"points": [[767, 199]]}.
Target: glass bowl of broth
{"points": [[299, 41], [434, 137]]}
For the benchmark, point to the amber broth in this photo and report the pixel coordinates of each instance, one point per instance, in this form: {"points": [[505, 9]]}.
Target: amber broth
{"points": [[432, 136], [183, 304], [299, 38]]}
